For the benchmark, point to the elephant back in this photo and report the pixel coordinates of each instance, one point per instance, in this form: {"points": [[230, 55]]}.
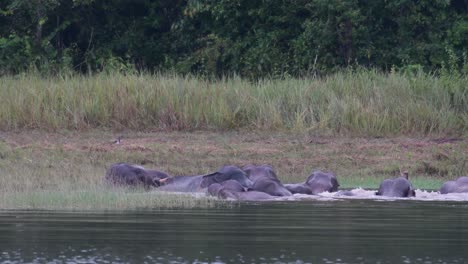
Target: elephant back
{"points": [[399, 187]]}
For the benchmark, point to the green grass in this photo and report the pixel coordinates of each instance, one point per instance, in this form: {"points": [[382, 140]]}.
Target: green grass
{"points": [[357, 103], [103, 199]]}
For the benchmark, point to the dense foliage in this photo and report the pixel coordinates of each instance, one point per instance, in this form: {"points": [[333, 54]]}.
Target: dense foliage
{"points": [[218, 37]]}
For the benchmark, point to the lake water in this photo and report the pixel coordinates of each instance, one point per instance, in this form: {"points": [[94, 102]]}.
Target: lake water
{"points": [[345, 231]]}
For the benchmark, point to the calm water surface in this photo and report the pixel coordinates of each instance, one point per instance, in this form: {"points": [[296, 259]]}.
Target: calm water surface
{"points": [[350, 231]]}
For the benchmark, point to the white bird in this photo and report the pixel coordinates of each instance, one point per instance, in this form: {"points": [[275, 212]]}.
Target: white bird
{"points": [[117, 140]]}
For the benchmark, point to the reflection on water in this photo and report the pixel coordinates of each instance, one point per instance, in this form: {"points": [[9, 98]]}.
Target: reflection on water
{"points": [[349, 231]]}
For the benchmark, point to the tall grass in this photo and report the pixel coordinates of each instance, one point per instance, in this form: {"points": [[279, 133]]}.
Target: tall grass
{"points": [[363, 102]]}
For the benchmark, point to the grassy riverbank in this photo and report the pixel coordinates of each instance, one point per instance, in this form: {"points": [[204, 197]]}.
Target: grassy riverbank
{"points": [[357, 103], [64, 170]]}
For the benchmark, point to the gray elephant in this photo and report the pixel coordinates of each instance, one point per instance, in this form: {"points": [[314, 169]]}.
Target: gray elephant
{"points": [[218, 190], [265, 180], [316, 183], [263, 171], [298, 188], [233, 185], [124, 174], [460, 185], [320, 181], [222, 192], [398, 187], [200, 182]]}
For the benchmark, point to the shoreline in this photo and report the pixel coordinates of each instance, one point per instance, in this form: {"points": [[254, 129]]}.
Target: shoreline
{"points": [[70, 161]]}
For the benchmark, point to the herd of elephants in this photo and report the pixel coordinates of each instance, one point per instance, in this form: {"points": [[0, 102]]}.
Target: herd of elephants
{"points": [[256, 183]]}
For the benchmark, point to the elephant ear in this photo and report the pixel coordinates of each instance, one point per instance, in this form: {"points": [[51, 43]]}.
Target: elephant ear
{"points": [[311, 176], [410, 192], [224, 174], [271, 171], [140, 172], [209, 179], [230, 173], [334, 181], [247, 169]]}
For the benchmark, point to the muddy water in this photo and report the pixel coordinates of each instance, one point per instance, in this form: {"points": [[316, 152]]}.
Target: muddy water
{"points": [[344, 231]]}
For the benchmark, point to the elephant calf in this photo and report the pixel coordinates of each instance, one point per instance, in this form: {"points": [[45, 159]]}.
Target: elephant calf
{"points": [[460, 185], [298, 188], [316, 183], [265, 180], [399, 187], [226, 192], [124, 174]]}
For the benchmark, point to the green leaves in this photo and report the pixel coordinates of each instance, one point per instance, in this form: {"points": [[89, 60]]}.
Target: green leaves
{"points": [[255, 39]]}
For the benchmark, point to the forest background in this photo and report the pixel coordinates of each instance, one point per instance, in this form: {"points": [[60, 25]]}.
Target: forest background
{"points": [[253, 39]]}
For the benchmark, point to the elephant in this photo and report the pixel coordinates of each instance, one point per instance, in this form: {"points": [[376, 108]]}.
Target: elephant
{"points": [[125, 174], [233, 185], [222, 192], [200, 182], [398, 187], [270, 186], [320, 181], [265, 180], [316, 183], [460, 185], [298, 188], [263, 171]]}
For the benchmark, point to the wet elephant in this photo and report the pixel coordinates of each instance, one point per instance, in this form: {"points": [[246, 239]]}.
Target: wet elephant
{"points": [[124, 174], [298, 188], [316, 183], [398, 187], [265, 180], [263, 171], [200, 182], [271, 187], [218, 190], [460, 185], [320, 181], [233, 185]]}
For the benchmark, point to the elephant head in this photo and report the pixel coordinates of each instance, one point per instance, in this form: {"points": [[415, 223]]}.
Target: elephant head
{"points": [[265, 180], [222, 192], [264, 171], [320, 181], [458, 186], [218, 190], [224, 174], [133, 175], [298, 188], [270, 187]]}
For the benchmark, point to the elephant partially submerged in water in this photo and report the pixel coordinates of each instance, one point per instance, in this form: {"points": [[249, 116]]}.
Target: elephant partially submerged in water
{"points": [[460, 185], [124, 174], [316, 183], [265, 180], [399, 187], [200, 182], [227, 192]]}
